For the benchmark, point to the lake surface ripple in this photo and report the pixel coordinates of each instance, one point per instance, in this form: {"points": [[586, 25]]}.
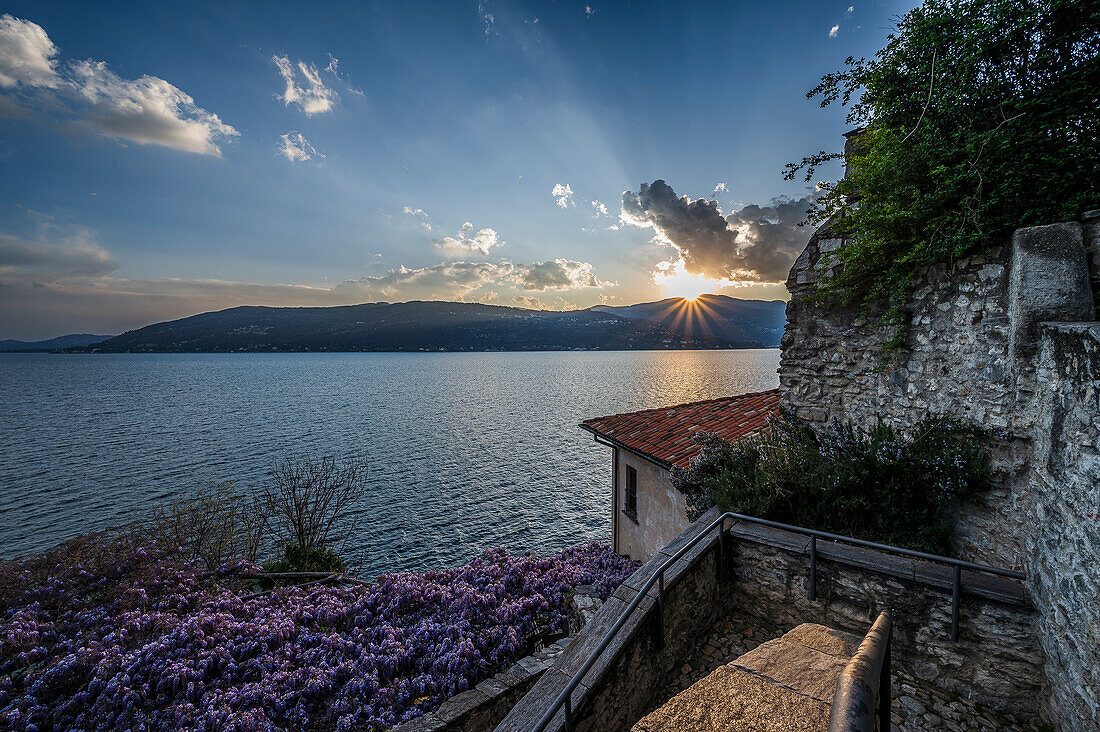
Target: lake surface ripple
{"points": [[465, 450]]}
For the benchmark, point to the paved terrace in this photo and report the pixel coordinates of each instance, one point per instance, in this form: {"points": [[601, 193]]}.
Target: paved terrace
{"points": [[717, 607]]}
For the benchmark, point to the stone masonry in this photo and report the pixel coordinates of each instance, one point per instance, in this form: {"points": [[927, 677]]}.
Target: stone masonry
{"points": [[1005, 339], [996, 666]]}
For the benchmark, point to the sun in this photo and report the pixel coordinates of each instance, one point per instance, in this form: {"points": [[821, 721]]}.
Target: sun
{"points": [[677, 282]]}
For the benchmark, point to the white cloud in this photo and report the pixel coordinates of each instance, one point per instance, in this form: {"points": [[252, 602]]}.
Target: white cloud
{"points": [[87, 94], [26, 55], [720, 188], [834, 31], [311, 95], [467, 242], [564, 195], [530, 302], [588, 11], [454, 280], [148, 111], [419, 212], [557, 274], [486, 17], [297, 148], [851, 9], [600, 208]]}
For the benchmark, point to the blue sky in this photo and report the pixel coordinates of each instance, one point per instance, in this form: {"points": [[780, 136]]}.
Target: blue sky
{"points": [[158, 160]]}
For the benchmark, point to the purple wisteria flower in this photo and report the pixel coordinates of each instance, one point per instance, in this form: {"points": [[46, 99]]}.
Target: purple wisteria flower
{"points": [[107, 634]]}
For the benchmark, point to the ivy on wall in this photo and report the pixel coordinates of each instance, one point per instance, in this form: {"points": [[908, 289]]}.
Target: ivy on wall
{"points": [[979, 117]]}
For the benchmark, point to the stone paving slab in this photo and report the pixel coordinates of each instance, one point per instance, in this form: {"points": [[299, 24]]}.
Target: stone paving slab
{"points": [[731, 698], [917, 706], [808, 659], [785, 684]]}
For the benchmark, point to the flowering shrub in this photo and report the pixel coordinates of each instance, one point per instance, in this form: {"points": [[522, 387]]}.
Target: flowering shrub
{"points": [[880, 485], [105, 633]]}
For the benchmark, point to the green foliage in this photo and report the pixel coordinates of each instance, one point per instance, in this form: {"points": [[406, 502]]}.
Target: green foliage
{"points": [[299, 559], [981, 116], [881, 486]]}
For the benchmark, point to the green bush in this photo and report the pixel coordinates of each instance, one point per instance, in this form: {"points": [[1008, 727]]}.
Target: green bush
{"points": [[880, 486], [303, 559], [981, 117]]}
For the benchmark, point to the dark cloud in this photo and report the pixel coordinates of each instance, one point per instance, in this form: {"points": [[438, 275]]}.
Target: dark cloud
{"points": [[757, 243], [696, 227], [770, 238], [47, 260], [557, 274]]}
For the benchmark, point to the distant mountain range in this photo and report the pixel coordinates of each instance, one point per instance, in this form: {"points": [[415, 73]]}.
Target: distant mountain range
{"points": [[742, 321], [711, 321], [53, 344]]}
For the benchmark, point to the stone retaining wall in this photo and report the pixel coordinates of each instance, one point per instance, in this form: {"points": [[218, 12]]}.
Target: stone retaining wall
{"points": [[627, 680], [1065, 488], [997, 661], [1004, 339]]}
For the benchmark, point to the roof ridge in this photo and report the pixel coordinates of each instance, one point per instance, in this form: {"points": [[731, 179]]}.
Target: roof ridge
{"points": [[685, 404]]}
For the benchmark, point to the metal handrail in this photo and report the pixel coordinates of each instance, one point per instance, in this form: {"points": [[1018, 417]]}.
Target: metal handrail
{"points": [[864, 685], [565, 698]]}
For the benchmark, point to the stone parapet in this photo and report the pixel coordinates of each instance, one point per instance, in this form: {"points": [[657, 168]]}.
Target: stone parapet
{"points": [[627, 679], [997, 661], [1065, 510]]}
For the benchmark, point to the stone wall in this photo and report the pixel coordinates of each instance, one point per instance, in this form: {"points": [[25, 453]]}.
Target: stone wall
{"points": [[627, 680], [1065, 484], [981, 348], [997, 661]]}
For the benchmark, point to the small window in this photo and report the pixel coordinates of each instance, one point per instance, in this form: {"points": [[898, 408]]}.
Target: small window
{"points": [[630, 500]]}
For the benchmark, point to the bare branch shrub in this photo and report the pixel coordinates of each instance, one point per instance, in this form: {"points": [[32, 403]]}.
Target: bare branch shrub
{"points": [[305, 499], [217, 524]]}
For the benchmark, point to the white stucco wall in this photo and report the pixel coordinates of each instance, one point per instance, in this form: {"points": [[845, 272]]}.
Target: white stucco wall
{"points": [[662, 511]]}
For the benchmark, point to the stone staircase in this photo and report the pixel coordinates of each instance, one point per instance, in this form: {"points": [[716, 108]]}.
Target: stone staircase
{"points": [[785, 684]]}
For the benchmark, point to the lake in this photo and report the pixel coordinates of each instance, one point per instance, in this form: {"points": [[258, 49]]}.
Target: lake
{"points": [[465, 450]]}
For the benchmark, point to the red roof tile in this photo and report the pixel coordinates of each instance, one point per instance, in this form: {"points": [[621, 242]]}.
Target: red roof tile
{"points": [[664, 435]]}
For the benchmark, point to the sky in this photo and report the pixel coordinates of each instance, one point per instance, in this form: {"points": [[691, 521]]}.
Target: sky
{"points": [[159, 160]]}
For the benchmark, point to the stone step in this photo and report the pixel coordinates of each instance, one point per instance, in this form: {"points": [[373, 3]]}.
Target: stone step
{"points": [[785, 684]]}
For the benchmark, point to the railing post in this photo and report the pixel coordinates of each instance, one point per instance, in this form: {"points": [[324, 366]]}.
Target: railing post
{"points": [[956, 590], [813, 567], [660, 624], [721, 563]]}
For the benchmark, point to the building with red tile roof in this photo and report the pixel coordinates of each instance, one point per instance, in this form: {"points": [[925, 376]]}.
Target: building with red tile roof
{"points": [[664, 435], [647, 444]]}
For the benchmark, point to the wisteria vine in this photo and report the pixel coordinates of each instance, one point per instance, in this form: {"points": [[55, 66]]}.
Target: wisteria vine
{"points": [[106, 634]]}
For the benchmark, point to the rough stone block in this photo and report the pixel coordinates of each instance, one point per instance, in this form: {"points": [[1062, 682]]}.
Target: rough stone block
{"points": [[461, 704], [1048, 281]]}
